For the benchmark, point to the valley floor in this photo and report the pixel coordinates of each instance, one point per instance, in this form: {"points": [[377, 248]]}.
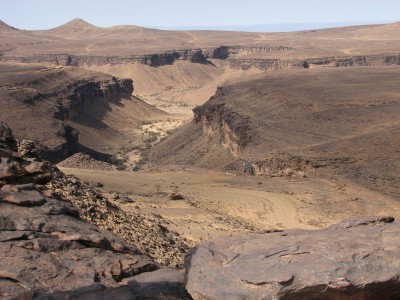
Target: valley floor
{"points": [[216, 204]]}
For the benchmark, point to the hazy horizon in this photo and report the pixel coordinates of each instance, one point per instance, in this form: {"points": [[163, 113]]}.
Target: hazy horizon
{"points": [[269, 27], [274, 27], [184, 14]]}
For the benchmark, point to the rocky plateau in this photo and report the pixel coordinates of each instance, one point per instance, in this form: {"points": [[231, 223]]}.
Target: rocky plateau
{"points": [[66, 45]]}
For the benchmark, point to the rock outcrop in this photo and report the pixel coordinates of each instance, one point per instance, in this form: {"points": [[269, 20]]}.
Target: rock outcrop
{"points": [[149, 232], [203, 56], [354, 259], [84, 161], [80, 95], [153, 60], [49, 252], [231, 128], [283, 165], [14, 167], [69, 145], [272, 64], [298, 124], [48, 105]]}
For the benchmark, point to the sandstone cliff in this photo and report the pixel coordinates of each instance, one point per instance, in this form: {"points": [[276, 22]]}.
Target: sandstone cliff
{"points": [[229, 126], [153, 60], [298, 123], [271, 64], [224, 53], [63, 109], [79, 96]]}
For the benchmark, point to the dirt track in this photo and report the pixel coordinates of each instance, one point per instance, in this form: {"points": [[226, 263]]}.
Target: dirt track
{"points": [[217, 204]]}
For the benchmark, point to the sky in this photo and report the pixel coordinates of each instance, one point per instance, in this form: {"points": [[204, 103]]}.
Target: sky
{"points": [[45, 14]]}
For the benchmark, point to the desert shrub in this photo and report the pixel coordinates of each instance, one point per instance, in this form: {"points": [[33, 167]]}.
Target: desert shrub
{"points": [[176, 196]]}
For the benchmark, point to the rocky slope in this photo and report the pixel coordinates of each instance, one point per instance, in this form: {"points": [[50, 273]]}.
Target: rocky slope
{"points": [[354, 259], [296, 124], [47, 246], [50, 252], [84, 161], [64, 109], [148, 231]]}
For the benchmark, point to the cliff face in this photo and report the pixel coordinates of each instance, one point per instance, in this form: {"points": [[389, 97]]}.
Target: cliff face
{"points": [[344, 61], [69, 145], [82, 94], [77, 98], [230, 127], [305, 122], [48, 105], [234, 55], [153, 60]]}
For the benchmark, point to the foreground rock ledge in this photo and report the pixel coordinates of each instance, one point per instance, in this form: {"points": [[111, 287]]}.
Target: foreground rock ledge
{"points": [[47, 251], [354, 259]]}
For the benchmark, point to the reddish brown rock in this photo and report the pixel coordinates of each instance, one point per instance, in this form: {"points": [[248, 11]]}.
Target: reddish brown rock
{"points": [[355, 259], [49, 252]]}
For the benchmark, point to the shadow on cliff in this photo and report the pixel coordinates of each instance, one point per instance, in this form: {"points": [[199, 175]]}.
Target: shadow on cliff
{"points": [[93, 113], [101, 156], [210, 63], [133, 290]]}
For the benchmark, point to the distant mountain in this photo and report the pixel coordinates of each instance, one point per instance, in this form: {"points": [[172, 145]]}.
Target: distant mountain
{"points": [[79, 42], [74, 26], [77, 23], [5, 27], [284, 27]]}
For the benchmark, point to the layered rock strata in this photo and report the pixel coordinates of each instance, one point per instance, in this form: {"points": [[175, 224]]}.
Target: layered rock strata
{"points": [[153, 60], [219, 121], [52, 100], [272, 64], [204, 56]]}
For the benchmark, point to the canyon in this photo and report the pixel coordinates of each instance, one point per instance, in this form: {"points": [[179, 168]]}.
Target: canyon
{"points": [[286, 123], [203, 151]]}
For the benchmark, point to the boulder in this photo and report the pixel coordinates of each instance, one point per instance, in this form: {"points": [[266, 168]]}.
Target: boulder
{"points": [[14, 167], [354, 259], [165, 284], [7, 139]]}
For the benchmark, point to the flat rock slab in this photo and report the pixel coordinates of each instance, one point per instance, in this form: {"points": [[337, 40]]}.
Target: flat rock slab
{"points": [[354, 259], [23, 198]]}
